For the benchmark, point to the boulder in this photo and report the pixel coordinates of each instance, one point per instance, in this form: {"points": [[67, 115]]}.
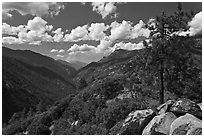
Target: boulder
{"points": [[159, 124], [165, 107], [200, 105], [186, 125], [134, 123], [183, 106]]}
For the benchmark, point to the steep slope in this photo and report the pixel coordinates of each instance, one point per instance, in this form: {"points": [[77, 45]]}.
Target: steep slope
{"points": [[37, 59], [119, 62], [25, 83]]}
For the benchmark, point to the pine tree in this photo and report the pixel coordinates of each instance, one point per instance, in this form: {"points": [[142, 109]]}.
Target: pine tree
{"points": [[82, 84], [169, 52], [30, 112], [23, 114], [40, 107]]}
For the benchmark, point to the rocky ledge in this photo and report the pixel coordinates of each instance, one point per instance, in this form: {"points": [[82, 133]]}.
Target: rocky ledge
{"points": [[174, 117]]}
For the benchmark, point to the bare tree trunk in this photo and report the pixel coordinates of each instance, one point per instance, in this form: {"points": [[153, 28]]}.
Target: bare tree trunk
{"points": [[162, 83]]}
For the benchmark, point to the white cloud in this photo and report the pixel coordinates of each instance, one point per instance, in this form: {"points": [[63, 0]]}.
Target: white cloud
{"points": [[126, 30], [81, 48], [104, 45], [77, 34], [97, 31], [129, 46], [54, 50], [38, 24], [104, 8], [61, 56], [32, 8], [11, 30], [61, 51], [120, 30], [11, 40], [34, 33], [139, 30], [58, 37], [196, 24]]}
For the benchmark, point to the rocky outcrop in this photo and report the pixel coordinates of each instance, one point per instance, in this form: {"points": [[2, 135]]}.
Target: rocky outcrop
{"points": [[135, 122], [183, 106], [174, 117], [165, 107], [159, 124], [186, 125]]}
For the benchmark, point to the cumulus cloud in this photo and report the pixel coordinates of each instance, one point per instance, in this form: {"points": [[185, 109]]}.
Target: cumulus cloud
{"points": [[11, 30], [81, 48], [32, 8], [58, 37], [105, 8], [126, 30], [104, 45], [11, 40], [97, 31], [54, 50], [129, 46], [61, 56], [139, 30], [196, 24], [34, 32], [57, 51], [120, 30], [38, 24], [61, 51], [77, 34]]}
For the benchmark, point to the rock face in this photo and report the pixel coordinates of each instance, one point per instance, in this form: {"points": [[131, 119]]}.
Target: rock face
{"points": [[186, 125], [165, 107], [135, 122], [159, 124], [183, 106]]}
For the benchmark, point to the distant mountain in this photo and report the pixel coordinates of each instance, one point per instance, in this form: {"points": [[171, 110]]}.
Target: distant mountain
{"points": [[28, 77], [37, 59], [119, 62], [75, 64]]}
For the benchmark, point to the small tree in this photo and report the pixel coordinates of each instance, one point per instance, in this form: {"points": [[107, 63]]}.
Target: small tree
{"points": [[30, 112], [82, 84], [40, 107], [15, 117]]}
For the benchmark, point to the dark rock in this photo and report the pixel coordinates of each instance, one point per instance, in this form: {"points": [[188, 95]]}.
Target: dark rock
{"points": [[183, 106], [186, 125], [159, 124]]}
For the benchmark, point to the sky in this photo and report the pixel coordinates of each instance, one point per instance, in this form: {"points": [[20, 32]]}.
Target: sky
{"points": [[85, 32]]}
